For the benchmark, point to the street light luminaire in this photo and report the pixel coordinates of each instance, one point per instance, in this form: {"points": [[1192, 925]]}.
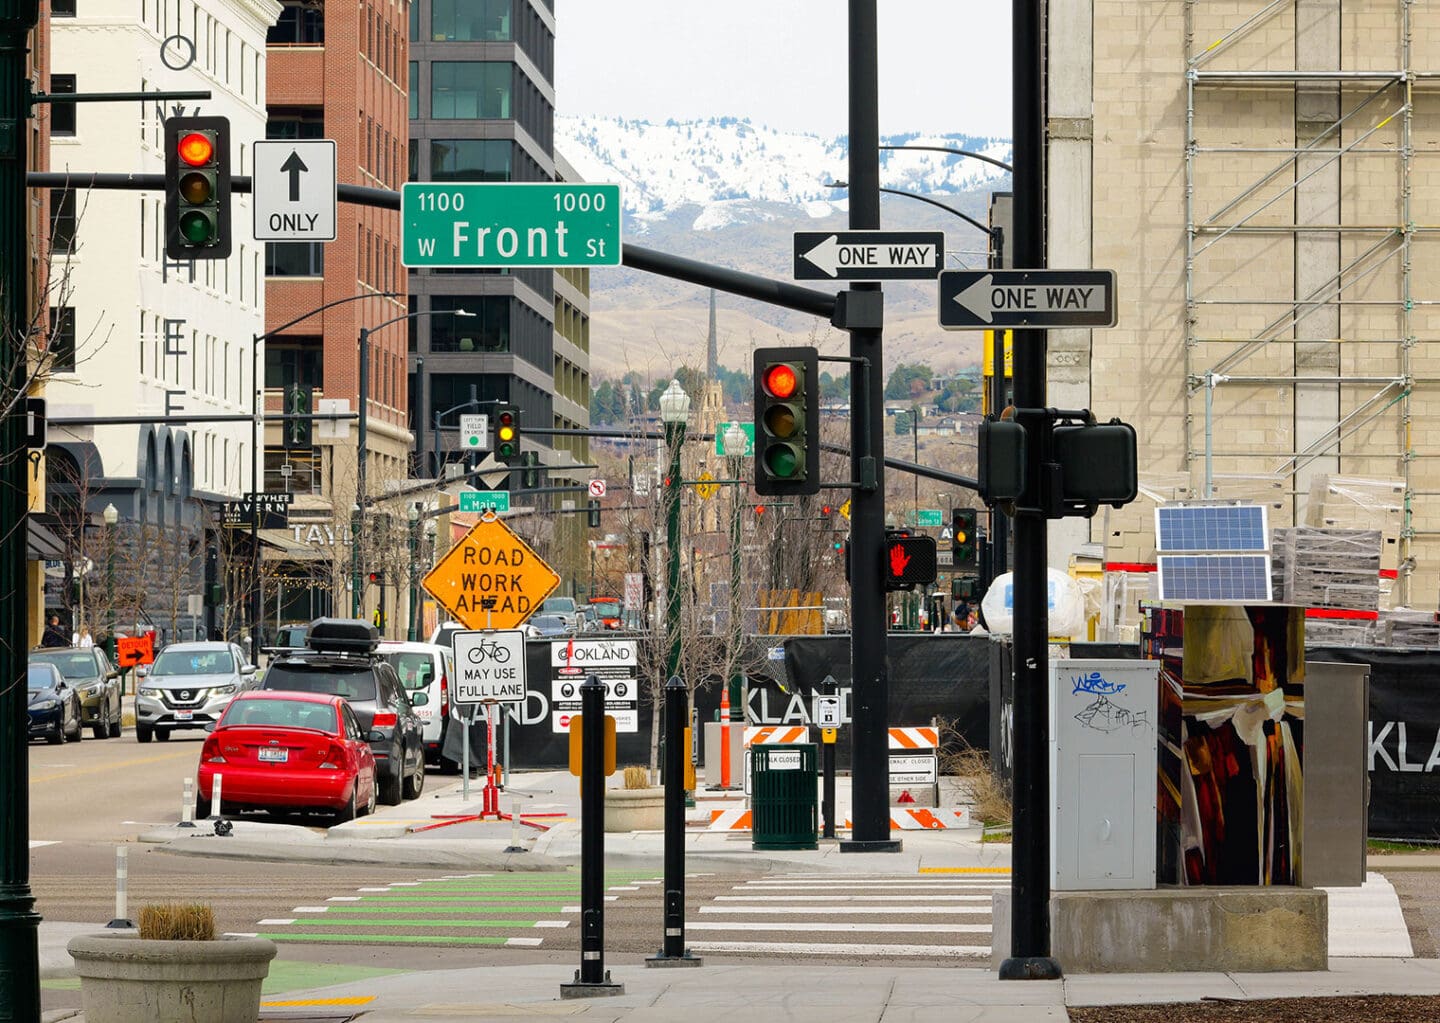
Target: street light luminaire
{"points": [[111, 515], [735, 438], [674, 404]]}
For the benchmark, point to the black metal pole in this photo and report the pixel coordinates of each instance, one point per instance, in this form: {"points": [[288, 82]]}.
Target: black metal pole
{"points": [[592, 977], [256, 390], [870, 811], [1030, 957], [19, 923], [673, 952]]}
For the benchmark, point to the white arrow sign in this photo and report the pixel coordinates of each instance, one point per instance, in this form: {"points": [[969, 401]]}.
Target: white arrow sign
{"points": [[1027, 298], [868, 255], [294, 190]]}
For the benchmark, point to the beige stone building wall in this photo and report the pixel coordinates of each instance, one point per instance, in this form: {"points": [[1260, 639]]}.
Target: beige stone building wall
{"points": [[1309, 280]]}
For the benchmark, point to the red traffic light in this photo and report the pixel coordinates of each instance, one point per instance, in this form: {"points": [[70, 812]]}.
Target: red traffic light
{"points": [[826, 509], [196, 148], [759, 509], [374, 577], [781, 380]]}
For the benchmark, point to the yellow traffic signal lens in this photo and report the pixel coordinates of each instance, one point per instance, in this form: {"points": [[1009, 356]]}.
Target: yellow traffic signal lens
{"points": [[781, 381], [196, 149], [782, 421], [196, 188], [506, 433]]}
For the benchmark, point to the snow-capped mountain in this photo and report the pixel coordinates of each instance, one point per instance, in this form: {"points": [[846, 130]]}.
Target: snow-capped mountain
{"points": [[731, 193], [730, 167]]}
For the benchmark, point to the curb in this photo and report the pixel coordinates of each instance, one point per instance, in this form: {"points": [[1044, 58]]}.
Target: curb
{"points": [[383, 852]]}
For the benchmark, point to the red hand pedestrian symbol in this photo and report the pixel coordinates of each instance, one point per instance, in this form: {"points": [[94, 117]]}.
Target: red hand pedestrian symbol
{"points": [[898, 560]]}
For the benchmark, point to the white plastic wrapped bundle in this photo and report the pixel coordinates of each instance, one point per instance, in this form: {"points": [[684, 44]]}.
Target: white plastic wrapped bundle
{"points": [[1066, 602]]}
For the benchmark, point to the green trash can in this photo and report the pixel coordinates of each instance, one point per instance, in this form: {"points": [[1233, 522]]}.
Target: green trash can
{"points": [[783, 806]]}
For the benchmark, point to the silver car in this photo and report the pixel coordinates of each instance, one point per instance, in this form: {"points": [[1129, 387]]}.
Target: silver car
{"points": [[189, 686]]}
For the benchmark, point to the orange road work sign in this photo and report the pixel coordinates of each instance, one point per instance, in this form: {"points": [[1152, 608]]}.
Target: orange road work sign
{"points": [[491, 566]]}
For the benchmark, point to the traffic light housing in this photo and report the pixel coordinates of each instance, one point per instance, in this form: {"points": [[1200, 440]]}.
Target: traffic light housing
{"points": [[298, 431], [1001, 452], [377, 578], [1098, 465], [507, 434], [910, 560], [962, 531], [531, 461], [787, 421], [593, 514], [197, 187]]}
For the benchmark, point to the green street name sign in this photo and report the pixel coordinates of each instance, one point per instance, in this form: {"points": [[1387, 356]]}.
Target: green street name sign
{"points": [[930, 517], [485, 500], [509, 224]]}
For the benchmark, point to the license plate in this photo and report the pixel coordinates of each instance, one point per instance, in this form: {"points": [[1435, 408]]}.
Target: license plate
{"points": [[184, 715], [278, 756]]}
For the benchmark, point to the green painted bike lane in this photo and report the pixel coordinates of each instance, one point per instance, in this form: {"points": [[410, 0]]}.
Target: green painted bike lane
{"points": [[512, 911]]}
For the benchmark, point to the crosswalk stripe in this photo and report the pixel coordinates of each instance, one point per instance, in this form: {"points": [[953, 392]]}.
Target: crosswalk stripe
{"points": [[388, 939], [861, 898], [889, 886], [761, 925], [844, 948], [833, 910]]}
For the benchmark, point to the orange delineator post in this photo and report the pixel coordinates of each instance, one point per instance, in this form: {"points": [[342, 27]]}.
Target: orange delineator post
{"points": [[724, 736]]}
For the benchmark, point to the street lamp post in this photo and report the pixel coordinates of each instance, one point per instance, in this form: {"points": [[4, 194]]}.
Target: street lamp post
{"points": [[674, 410], [354, 561], [735, 443], [414, 516], [111, 515], [362, 440]]}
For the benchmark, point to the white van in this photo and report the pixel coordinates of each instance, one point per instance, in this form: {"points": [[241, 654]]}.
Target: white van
{"points": [[426, 667]]}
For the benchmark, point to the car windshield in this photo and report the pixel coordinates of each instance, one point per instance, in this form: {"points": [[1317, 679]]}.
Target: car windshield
{"points": [[416, 669], [559, 605], [548, 622], [356, 683], [40, 677], [281, 714], [77, 665], [193, 662]]}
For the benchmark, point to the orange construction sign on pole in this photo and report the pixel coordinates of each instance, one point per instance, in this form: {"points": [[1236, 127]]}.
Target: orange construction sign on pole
{"points": [[491, 570]]}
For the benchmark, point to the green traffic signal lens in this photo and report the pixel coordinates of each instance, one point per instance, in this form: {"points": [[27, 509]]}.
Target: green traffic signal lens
{"points": [[197, 188], [782, 421], [782, 460], [197, 227], [507, 450]]}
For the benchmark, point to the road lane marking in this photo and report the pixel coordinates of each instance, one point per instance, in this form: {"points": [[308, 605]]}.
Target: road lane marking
{"points": [[524, 942], [845, 948], [343, 898], [311, 909], [390, 939], [863, 898], [37, 845], [189, 754], [552, 923], [275, 921], [759, 925], [293, 1003], [965, 870], [889, 886], [835, 910]]}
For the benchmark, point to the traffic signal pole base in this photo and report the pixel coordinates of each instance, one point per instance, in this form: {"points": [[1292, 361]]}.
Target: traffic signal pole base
{"points": [[591, 989], [1031, 968], [661, 959], [881, 845]]}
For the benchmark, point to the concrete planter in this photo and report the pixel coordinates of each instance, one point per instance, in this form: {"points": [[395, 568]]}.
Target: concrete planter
{"points": [[635, 809], [126, 980]]}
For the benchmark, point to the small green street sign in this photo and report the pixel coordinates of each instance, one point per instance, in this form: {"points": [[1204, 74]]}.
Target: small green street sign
{"points": [[485, 500], [930, 517], [509, 224], [749, 429]]}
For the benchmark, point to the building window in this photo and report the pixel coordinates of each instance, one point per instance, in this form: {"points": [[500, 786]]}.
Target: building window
{"points": [[488, 330], [296, 472], [62, 220], [470, 20], [470, 159], [414, 21], [62, 8], [62, 114], [414, 89], [301, 22], [469, 89], [62, 339], [295, 123], [294, 360], [294, 259]]}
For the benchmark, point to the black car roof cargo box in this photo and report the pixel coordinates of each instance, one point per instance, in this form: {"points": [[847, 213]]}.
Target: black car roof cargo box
{"points": [[342, 636]]}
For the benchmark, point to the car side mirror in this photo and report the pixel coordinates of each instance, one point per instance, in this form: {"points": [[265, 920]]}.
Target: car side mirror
{"points": [[142, 671], [375, 735], [111, 676], [210, 726], [61, 687], [419, 698]]}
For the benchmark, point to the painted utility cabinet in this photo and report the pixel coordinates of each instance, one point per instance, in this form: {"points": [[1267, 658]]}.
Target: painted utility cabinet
{"points": [[1103, 773]]}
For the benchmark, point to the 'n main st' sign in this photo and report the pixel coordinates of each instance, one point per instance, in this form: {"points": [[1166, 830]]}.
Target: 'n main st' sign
{"points": [[509, 224]]}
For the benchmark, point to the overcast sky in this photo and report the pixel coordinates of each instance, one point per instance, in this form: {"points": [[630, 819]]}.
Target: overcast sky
{"points": [[944, 64]]}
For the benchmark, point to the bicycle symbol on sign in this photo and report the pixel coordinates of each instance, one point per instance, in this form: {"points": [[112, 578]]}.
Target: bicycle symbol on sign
{"points": [[493, 650]]}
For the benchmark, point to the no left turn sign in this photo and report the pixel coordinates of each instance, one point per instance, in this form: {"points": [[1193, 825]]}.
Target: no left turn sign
{"points": [[597, 488]]}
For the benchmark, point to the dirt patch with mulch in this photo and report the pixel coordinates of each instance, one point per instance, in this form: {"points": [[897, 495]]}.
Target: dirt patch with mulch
{"points": [[1362, 1008]]}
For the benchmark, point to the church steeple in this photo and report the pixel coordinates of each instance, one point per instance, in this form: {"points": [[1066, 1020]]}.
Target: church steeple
{"points": [[712, 352]]}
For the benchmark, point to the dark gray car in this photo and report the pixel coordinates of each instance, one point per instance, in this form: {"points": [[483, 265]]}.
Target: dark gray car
{"points": [[342, 661]]}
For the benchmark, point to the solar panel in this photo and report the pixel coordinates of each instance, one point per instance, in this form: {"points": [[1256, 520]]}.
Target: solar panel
{"points": [[1211, 527], [1240, 577]]}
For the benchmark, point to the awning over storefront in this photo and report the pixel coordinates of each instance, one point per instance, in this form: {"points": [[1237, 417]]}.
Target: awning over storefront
{"points": [[289, 549], [41, 543]]}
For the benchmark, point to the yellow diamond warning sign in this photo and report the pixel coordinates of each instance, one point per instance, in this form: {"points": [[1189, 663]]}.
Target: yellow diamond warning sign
{"points": [[491, 579]]}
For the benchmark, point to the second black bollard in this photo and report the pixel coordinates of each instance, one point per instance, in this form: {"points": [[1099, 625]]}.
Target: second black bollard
{"points": [[673, 951]]}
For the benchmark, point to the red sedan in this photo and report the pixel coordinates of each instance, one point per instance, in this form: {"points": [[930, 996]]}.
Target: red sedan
{"points": [[288, 752]]}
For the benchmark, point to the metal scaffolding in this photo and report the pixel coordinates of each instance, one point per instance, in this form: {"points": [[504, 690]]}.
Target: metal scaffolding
{"points": [[1234, 326]]}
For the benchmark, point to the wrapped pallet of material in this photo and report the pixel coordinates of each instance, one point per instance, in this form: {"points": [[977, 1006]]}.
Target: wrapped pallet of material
{"points": [[1327, 567], [1408, 627]]}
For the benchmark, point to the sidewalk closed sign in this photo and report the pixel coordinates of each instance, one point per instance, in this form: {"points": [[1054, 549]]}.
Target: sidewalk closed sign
{"points": [[490, 667], [491, 579]]}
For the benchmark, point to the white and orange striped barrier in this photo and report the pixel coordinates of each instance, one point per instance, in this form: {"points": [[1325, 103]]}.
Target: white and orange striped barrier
{"points": [[729, 820], [914, 738], [766, 734]]}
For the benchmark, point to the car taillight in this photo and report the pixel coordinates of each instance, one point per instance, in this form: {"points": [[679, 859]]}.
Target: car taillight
{"points": [[385, 719], [334, 759], [444, 696], [210, 753]]}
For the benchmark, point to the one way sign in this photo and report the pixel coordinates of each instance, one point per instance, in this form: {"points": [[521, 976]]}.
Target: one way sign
{"points": [[1005, 299], [868, 255]]}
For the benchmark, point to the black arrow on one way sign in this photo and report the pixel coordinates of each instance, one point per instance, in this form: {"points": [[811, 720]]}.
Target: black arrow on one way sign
{"points": [[293, 166]]}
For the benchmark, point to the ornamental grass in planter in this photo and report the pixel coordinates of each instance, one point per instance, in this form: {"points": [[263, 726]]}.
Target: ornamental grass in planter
{"points": [[175, 971]]}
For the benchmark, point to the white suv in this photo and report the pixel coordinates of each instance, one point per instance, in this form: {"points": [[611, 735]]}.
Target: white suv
{"points": [[426, 667]]}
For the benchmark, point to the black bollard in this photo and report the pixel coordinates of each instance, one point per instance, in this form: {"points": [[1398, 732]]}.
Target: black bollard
{"points": [[592, 979], [673, 951]]}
